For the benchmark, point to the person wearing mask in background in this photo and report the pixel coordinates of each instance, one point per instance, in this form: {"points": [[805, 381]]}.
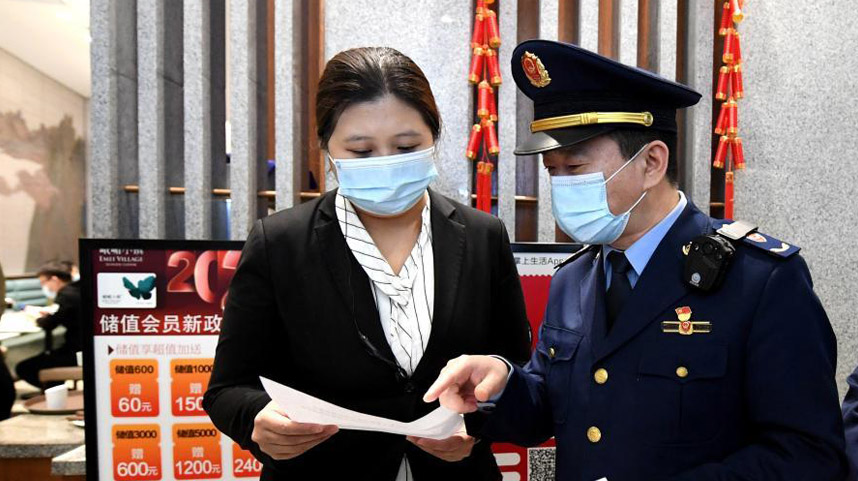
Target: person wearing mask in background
{"points": [[7, 385], [73, 270], [361, 296], [57, 284], [675, 347]]}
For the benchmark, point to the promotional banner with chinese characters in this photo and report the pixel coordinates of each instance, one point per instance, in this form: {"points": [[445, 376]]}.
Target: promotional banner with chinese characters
{"points": [[154, 309]]}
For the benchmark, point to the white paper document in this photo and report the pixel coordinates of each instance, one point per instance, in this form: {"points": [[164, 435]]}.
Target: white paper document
{"points": [[303, 408]]}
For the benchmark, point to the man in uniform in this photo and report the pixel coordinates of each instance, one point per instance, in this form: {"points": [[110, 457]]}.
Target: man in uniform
{"points": [[674, 346], [850, 419]]}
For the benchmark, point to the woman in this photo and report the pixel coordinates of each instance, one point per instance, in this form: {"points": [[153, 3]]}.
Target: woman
{"points": [[362, 296]]}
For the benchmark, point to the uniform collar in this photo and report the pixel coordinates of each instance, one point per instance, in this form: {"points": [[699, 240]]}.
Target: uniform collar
{"points": [[641, 251]]}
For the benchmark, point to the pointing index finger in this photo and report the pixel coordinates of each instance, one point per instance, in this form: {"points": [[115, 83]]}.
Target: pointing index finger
{"points": [[456, 373]]}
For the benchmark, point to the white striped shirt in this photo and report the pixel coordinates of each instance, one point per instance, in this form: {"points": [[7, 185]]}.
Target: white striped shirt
{"points": [[405, 302]]}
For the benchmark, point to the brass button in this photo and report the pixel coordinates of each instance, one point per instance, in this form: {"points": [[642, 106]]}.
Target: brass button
{"points": [[552, 352], [682, 371], [594, 434], [601, 376]]}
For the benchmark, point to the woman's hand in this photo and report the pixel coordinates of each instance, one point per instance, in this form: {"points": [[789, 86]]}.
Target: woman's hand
{"points": [[455, 448], [281, 438]]}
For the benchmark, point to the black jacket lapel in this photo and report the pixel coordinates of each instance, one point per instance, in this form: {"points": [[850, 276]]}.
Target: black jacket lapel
{"points": [[355, 293]]}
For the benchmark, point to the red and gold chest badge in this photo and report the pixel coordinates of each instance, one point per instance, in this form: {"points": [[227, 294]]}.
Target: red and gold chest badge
{"points": [[685, 326], [535, 71]]}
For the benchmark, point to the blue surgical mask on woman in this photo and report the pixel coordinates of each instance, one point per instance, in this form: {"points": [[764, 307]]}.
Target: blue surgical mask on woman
{"points": [[580, 205], [387, 185]]}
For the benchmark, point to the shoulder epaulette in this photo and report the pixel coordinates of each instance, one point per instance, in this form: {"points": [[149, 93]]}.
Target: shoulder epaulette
{"points": [[747, 234], [577, 254]]}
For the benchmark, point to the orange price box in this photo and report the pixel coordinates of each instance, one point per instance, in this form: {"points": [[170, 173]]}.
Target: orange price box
{"points": [[190, 378], [136, 452], [134, 387], [196, 451], [244, 465]]}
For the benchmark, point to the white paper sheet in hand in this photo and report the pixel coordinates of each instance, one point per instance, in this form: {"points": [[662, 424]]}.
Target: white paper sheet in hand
{"points": [[303, 408]]}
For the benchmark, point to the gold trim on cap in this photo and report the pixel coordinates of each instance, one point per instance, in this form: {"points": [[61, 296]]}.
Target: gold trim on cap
{"points": [[591, 118]]}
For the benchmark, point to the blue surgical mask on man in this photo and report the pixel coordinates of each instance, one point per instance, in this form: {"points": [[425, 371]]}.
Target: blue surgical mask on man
{"points": [[388, 185], [49, 293], [580, 205]]}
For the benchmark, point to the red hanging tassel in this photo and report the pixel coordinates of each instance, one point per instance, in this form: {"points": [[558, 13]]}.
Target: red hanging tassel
{"points": [[479, 189], [738, 16], [491, 137], [732, 117], [479, 36], [721, 152], [728, 195], [488, 187], [481, 7], [481, 184], [736, 83], [494, 68], [738, 153], [727, 57], [726, 17], [474, 142], [476, 71], [721, 125], [493, 106], [737, 48], [483, 99], [721, 92], [492, 29], [483, 188]]}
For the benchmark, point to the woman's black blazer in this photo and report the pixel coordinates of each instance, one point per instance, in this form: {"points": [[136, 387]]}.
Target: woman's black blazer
{"points": [[291, 313]]}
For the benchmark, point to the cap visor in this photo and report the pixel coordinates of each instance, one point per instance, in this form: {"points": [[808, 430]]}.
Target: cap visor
{"points": [[539, 142]]}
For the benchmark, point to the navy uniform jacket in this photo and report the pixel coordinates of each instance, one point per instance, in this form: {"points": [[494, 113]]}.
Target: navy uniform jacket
{"points": [[850, 418], [755, 399]]}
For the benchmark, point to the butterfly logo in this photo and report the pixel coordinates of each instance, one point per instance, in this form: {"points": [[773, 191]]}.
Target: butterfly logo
{"points": [[143, 289]]}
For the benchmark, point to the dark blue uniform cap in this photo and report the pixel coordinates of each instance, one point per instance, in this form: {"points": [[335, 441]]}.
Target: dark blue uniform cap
{"points": [[578, 94]]}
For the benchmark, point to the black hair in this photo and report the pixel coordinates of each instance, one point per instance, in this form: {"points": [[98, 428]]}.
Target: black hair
{"points": [[631, 140], [367, 74], [57, 269]]}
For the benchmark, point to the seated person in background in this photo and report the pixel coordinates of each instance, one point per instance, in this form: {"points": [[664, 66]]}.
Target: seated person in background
{"points": [[850, 419], [73, 270], [7, 386], [57, 284]]}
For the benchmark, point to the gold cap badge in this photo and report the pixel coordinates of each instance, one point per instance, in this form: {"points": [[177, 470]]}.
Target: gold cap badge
{"points": [[535, 71]]}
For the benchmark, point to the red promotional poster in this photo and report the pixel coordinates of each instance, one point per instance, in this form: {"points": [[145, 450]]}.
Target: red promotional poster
{"points": [[153, 312]]}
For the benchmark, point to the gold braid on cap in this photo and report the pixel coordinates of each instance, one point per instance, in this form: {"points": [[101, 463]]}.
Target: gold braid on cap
{"points": [[591, 118]]}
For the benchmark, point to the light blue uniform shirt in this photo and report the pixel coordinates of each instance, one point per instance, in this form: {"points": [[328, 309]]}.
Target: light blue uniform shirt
{"points": [[641, 251]]}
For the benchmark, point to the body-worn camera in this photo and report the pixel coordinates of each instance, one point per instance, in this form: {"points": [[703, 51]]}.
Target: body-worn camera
{"points": [[708, 257]]}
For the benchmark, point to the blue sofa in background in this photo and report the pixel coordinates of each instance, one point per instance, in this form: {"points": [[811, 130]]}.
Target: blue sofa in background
{"points": [[25, 291]]}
